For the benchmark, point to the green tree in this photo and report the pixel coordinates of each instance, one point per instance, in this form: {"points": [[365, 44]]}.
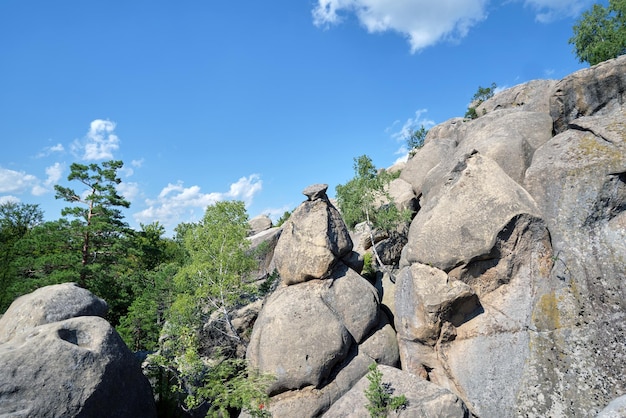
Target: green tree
{"points": [[99, 233], [213, 282], [142, 324], [378, 394], [16, 220], [481, 95], [360, 199], [415, 139], [600, 33], [99, 221]]}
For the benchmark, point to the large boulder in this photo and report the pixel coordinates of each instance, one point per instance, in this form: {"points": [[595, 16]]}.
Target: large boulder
{"points": [[462, 220], [314, 238], [49, 304], [58, 365], [259, 224], [424, 399], [297, 338], [322, 319]]}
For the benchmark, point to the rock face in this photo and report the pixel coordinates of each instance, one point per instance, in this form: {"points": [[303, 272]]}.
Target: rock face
{"points": [[512, 288], [424, 399], [319, 332], [59, 360]]}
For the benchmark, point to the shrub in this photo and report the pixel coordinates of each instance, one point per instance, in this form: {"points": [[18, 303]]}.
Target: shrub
{"points": [[379, 395]]}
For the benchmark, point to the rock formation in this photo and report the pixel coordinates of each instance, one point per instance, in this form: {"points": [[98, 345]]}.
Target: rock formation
{"points": [[512, 289], [510, 295], [59, 358], [320, 330]]}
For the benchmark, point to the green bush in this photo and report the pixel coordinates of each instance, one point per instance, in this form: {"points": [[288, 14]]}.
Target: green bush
{"points": [[379, 396]]}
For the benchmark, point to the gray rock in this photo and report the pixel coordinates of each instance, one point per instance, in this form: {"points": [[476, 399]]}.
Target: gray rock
{"points": [[354, 300], [508, 137], [262, 245], [425, 399], [598, 90], [297, 338], [46, 305], [316, 191], [615, 409], [426, 298], [462, 221], [533, 96], [439, 148], [77, 367], [314, 238], [259, 224]]}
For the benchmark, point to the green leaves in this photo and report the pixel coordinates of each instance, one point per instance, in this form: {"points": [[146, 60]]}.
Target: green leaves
{"points": [[361, 199], [600, 33], [212, 283], [379, 394], [481, 95]]}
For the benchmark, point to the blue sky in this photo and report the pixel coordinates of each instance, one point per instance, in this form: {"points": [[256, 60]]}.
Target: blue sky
{"points": [[249, 100]]}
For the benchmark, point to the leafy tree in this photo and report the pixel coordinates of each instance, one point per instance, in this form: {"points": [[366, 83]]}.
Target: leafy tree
{"points": [[600, 33], [360, 200], [481, 95], [213, 282], [16, 220], [220, 260], [141, 326], [43, 256]]}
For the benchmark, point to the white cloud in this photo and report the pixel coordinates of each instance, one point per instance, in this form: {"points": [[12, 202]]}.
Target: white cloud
{"points": [[177, 203], [8, 198], [54, 173], [551, 10], [137, 163], [12, 181], [129, 190], [404, 132], [422, 22], [16, 181], [99, 143], [51, 150]]}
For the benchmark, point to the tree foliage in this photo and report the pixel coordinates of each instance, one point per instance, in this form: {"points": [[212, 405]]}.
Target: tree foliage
{"points": [[213, 281], [416, 137], [16, 220], [600, 33], [365, 199], [99, 221], [378, 394], [481, 95]]}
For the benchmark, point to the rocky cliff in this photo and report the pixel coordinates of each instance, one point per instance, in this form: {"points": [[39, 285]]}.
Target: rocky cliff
{"points": [[511, 288]]}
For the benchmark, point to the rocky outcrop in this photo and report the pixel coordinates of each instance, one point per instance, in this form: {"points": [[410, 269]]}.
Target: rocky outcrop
{"points": [[259, 224], [61, 361], [320, 330], [512, 289], [424, 399], [46, 305], [313, 239], [599, 90]]}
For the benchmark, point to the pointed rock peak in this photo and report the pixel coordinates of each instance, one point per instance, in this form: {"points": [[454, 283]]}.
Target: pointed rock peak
{"points": [[316, 192]]}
